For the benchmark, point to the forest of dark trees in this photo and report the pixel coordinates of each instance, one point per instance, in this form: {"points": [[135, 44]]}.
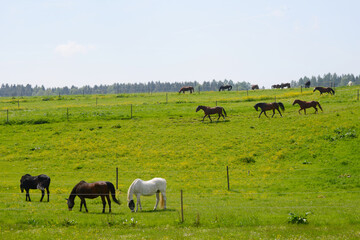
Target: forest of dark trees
{"points": [[7, 90]]}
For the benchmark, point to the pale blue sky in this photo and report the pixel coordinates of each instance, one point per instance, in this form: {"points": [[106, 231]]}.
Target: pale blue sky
{"points": [[83, 42]]}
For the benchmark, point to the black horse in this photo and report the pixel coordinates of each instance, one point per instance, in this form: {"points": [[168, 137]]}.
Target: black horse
{"points": [[228, 87], [269, 106], [41, 182], [307, 84]]}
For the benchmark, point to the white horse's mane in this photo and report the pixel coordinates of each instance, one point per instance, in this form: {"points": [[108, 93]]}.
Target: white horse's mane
{"points": [[130, 188]]}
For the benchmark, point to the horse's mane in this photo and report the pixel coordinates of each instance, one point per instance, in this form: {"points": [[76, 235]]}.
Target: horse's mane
{"points": [[73, 191], [128, 193]]}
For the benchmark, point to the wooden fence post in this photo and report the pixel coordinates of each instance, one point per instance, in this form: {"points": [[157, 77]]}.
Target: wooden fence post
{"points": [[182, 206], [228, 182]]}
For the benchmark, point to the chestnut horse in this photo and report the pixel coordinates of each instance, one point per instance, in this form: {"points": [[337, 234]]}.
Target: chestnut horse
{"points": [[212, 110], [269, 106], [92, 190], [325, 89], [183, 89], [303, 105]]}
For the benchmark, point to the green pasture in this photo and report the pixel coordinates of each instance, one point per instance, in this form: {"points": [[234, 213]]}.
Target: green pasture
{"points": [[292, 164]]}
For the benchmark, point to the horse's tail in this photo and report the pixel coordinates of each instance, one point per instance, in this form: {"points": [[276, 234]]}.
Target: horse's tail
{"points": [[332, 90], [281, 106], [224, 112], [112, 190], [319, 106], [161, 201]]}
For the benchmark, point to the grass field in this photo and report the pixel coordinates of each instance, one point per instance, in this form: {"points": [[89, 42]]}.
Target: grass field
{"points": [[292, 164]]}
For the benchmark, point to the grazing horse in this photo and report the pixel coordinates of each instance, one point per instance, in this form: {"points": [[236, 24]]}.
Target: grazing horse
{"points": [[253, 87], [350, 83], [183, 89], [147, 188], [303, 105], [285, 85], [276, 86], [212, 110], [307, 84], [324, 89], [269, 106], [41, 182], [228, 87], [92, 190]]}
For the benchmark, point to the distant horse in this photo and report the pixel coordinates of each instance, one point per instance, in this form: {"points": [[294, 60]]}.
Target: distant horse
{"points": [[283, 85], [183, 89], [92, 190], [253, 87], [41, 182], [350, 83], [228, 87], [147, 188], [212, 110], [276, 86], [307, 84], [303, 105], [269, 106], [324, 89]]}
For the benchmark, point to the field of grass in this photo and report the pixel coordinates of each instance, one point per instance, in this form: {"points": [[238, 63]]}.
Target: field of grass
{"points": [[292, 164]]}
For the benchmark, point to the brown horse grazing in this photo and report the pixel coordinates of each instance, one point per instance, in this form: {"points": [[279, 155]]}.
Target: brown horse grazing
{"points": [[269, 106], [253, 87], [212, 110], [92, 190], [183, 89], [325, 89], [303, 105]]}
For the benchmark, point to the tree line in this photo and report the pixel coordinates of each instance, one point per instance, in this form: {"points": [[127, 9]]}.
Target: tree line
{"points": [[7, 90]]}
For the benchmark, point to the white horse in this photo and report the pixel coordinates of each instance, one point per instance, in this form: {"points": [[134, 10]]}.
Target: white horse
{"points": [[350, 83], [147, 188]]}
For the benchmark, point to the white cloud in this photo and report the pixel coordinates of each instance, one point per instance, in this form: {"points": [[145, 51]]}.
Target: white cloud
{"points": [[72, 48]]}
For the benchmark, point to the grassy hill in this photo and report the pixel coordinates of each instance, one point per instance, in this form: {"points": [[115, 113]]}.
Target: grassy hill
{"points": [[292, 164]]}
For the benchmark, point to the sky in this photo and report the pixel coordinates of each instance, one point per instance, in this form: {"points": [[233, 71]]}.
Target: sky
{"points": [[265, 42]]}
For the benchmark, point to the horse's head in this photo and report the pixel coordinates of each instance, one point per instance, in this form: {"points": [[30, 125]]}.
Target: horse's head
{"points": [[70, 204], [256, 106], [314, 89], [295, 102], [198, 108], [131, 205]]}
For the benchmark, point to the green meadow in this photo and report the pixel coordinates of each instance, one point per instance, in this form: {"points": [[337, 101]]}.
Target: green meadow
{"points": [[290, 177]]}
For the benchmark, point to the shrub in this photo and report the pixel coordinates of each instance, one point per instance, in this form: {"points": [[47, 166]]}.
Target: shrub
{"points": [[298, 219]]}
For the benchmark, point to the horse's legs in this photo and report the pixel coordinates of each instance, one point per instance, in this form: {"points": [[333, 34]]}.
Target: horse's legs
{"points": [[305, 111], [278, 111], [27, 195], [273, 113], [204, 117], [85, 206], [315, 110], [109, 202], [300, 110], [219, 117], [210, 118], [138, 203], [48, 193], [103, 202], [81, 203], [42, 195], [157, 200]]}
